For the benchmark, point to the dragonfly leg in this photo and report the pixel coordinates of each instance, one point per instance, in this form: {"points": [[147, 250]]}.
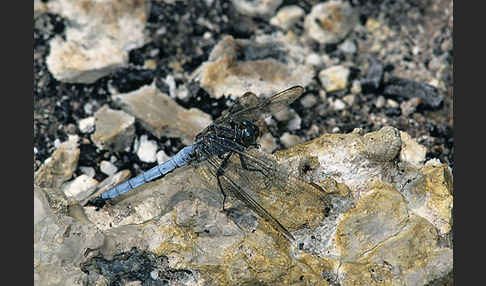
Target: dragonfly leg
{"points": [[220, 172], [245, 166]]}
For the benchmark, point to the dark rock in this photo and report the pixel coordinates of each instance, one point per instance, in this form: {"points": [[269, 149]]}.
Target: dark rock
{"points": [[408, 88]]}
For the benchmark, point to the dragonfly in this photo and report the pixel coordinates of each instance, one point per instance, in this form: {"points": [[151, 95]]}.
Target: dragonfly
{"points": [[229, 152]]}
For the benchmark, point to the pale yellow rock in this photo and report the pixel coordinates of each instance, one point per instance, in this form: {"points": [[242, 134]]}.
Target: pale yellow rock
{"points": [[411, 152], [378, 216]]}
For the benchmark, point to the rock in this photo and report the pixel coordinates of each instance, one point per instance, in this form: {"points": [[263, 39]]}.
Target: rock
{"points": [[349, 99], [79, 188], [289, 140], [407, 88], [334, 78], [88, 171], [337, 104], [266, 66], [108, 168], [377, 218], [161, 115], [348, 47], [98, 39], [87, 125], [380, 101], [412, 152], [308, 100], [60, 167], [374, 76], [268, 143], [287, 16], [147, 150], [115, 129], [161, 157], [258, 8], [330, 22]]}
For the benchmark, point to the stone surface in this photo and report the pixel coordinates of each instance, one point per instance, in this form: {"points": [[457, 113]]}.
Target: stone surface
{"points": [[378, 220], [98, 38], [265, 66], [262, 8], [87, 125], [115, 129], [334, 78], [147, 149], [79, 187], [287, 16], [161, 115], [330, 22], [60, 167], [108, 168]]}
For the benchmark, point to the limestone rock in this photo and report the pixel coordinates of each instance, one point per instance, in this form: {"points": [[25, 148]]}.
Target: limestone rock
{"points": [[161, 115], [264, 66], [115, 129], [330, 22], [98, 40]]}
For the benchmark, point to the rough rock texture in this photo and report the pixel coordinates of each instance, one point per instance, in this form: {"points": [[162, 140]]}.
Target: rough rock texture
{"points": [[98, 40], [161, 115], [268, 65], [380, 222], [115, 129]]}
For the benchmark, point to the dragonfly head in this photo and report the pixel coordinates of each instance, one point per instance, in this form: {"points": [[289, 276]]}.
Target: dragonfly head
{"points": [[249, 133]]}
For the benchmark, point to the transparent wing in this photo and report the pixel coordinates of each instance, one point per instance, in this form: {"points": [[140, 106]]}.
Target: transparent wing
{"points": [[250, 107], [267, 188]]}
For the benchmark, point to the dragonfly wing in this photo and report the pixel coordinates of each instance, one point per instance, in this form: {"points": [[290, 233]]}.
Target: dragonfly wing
{"points": [[249, 107]]}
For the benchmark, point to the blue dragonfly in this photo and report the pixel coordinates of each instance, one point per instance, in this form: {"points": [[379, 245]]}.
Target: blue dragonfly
{"points": [[235, 132]]}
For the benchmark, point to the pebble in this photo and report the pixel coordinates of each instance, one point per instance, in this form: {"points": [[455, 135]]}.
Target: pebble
{"points": [[408, 88], [268, 143], [392, 103], [380, 101], [86, 125], [88, 171], [408, 107], [287, 16], [115, 129], [330, 22], [147, 150], [256, 8], [308, 100], [289, 140], [108, 168], [348, 47], [314, 59], [295, 122], [374, 76], [338, 104], [334, 78], [161, 157], [349, 99], [79, 188]]}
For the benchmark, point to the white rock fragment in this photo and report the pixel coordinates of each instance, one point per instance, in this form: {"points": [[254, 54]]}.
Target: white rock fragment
{"points": [[287, 16], [289, 140], [79, 187], [308, 100], [380, 101], [86, 125], [295, 122], [268, 143], [337, 104], [254, 8], [330, 22], [412, 152], [108, 168], [89, 171], [161, 157], [147, 150], [314, 59], [334, 78]]}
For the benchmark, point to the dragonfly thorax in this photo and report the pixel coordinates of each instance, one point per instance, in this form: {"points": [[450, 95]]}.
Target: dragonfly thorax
{"points": [[248, 133]]}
